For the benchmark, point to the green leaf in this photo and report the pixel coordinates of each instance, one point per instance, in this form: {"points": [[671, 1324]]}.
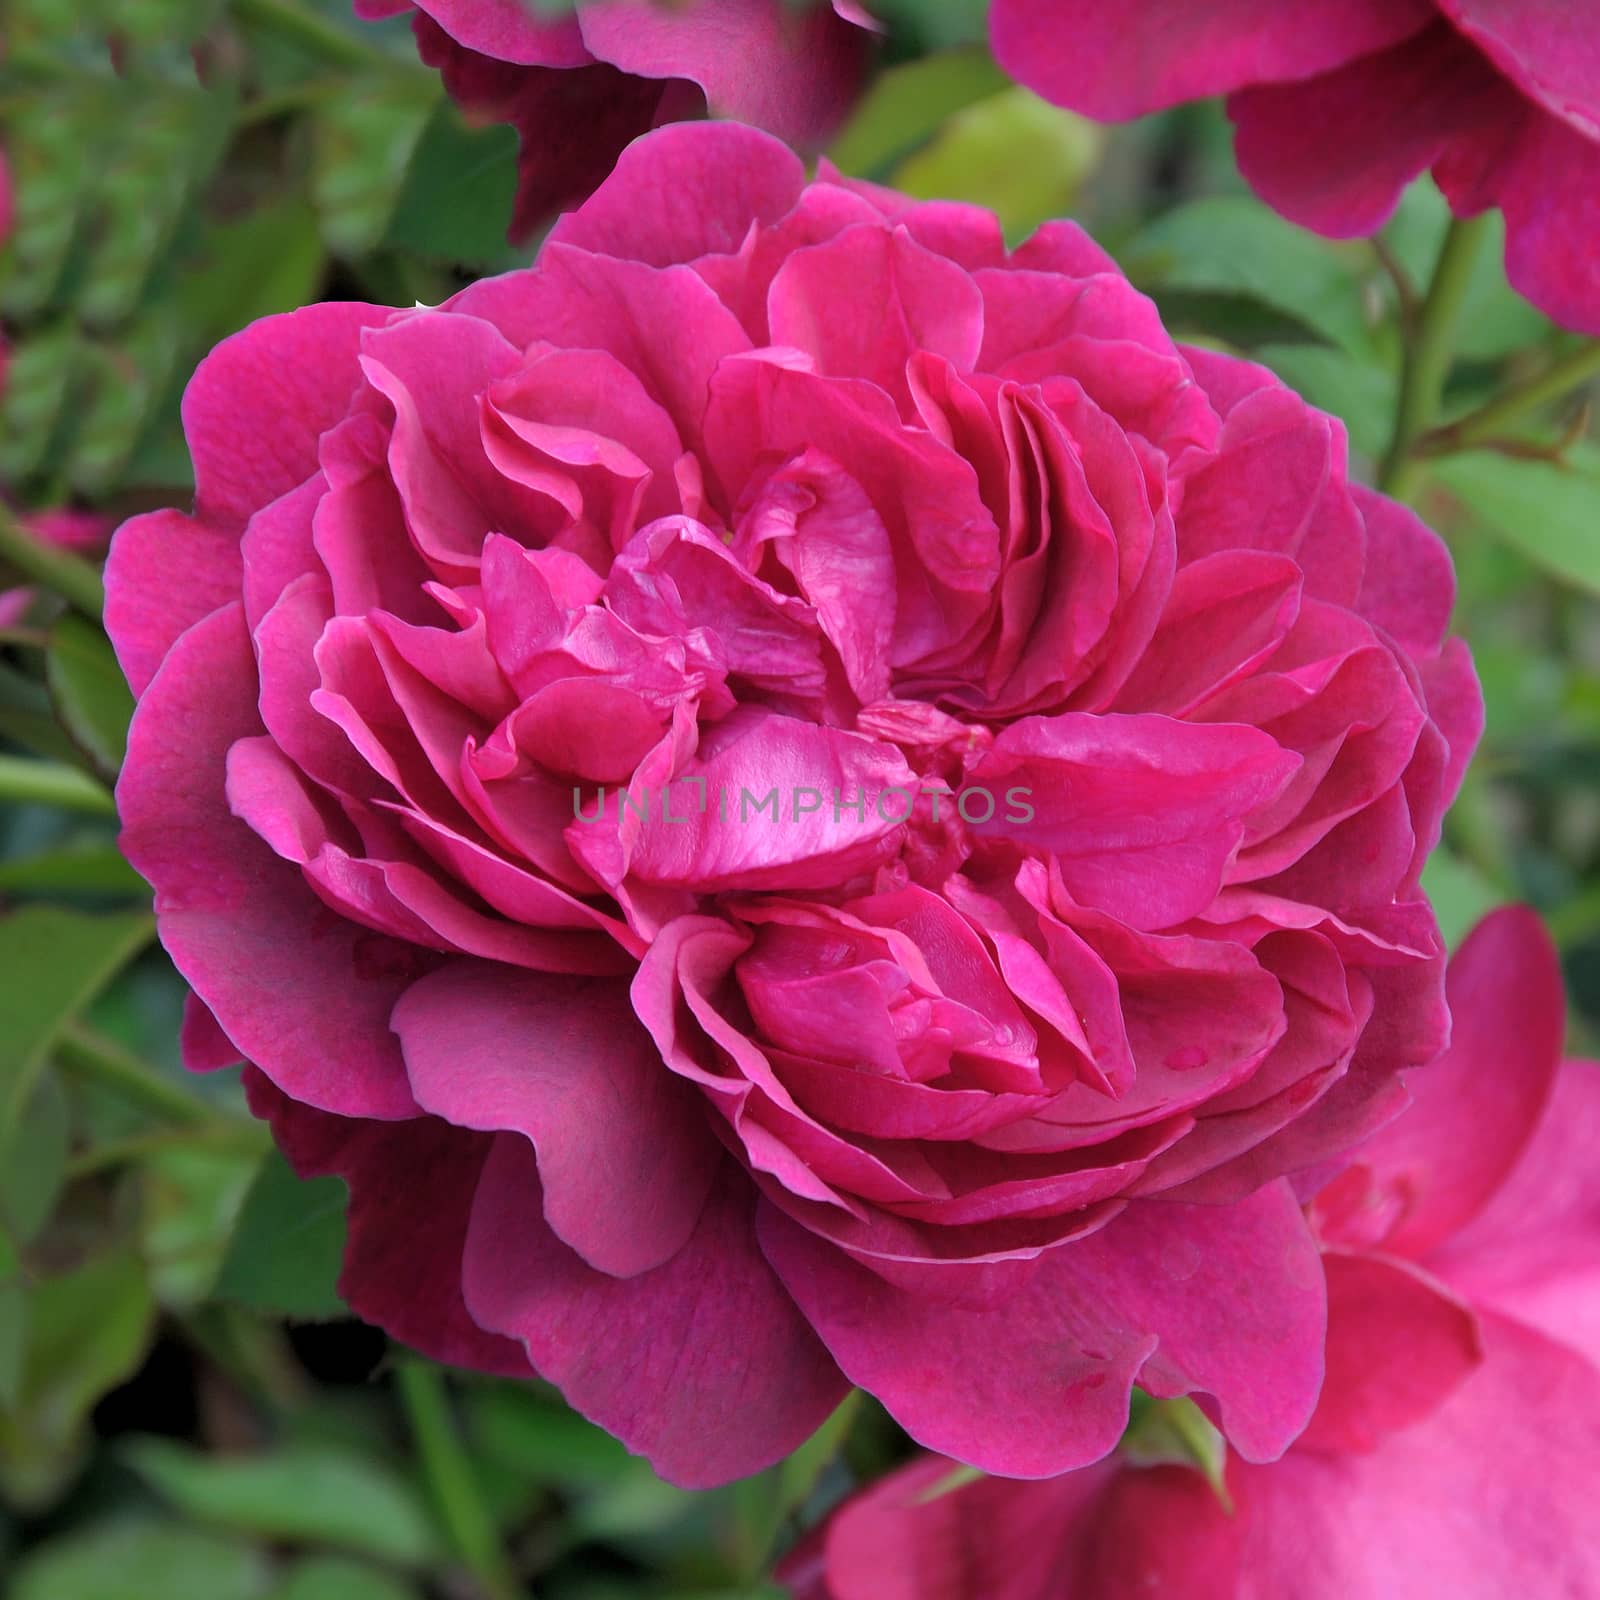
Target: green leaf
{"points": [[1460, 893], [908, 105], [55, 961], [267, 261], [13, 1342], [87, 1331], [27, 718], [90, 694], [934, 24], [285, 1254], [41, 373], [526, 1434], [33, 1161], [333, 1578], [82, 867], [365, 138], [1234, 246], [455, 205], [973, 157], [1550, 513], [138, 1559], [191, 1197], [765, 1502], [313, 1494], [1179, 1431]]}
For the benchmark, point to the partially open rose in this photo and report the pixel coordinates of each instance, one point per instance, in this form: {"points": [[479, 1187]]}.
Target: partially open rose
{"points": [[794, 798], [1341, 103]]}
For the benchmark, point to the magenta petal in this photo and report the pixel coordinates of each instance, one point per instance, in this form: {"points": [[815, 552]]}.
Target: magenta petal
{"points": [[1238, 1298], [996, 1539], [1058, 1399], [1489, 1498], [1227, 1300], [703, 1365], [205, 1047], [1533, 1253], [1093, 56], [509, 30], [760, 61], [1142, 813], [625, 1154], [868, 300], [706, 187], [1409, 587], [663, 323], [1549, 48], [1545, 176], [1475, 1108], [257, 405], [1398, 1346], [402, 1264], [302, 993], [145, 610], [1334, 153]]}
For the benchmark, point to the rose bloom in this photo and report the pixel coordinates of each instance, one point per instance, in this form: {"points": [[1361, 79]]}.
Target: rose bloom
{"points": [[579, 87], [747, 485], [1341, 103], [1453, 1450]]}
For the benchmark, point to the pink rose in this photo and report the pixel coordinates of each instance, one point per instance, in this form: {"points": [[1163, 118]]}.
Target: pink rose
{"points": [[578, 88], [1453, 1450], [1104, 726], [1341, 103]]}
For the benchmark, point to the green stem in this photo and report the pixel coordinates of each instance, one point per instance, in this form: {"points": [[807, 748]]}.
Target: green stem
{"points": [[24, 780], [91, 1055], [1430, 351], [314, 34], [1569, 373], [243, 1138], [73, 578], [450, 1479]]}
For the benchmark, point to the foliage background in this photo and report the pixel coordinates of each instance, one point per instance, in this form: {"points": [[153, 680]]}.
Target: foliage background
{"points": [[186, 1410]]}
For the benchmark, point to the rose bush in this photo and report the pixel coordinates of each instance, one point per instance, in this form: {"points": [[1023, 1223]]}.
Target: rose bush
{"points": [[579, 87], [1453, 1446], [755, 486], [1339, 105]]}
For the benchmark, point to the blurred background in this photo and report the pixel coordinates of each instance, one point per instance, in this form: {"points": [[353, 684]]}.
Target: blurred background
{"points": [[187, 1412]]}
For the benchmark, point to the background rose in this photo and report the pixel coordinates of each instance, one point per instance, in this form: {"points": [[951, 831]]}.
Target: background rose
{"points": [[785, 483], [579, 88], [1450, 1449], [1340, 105]]}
